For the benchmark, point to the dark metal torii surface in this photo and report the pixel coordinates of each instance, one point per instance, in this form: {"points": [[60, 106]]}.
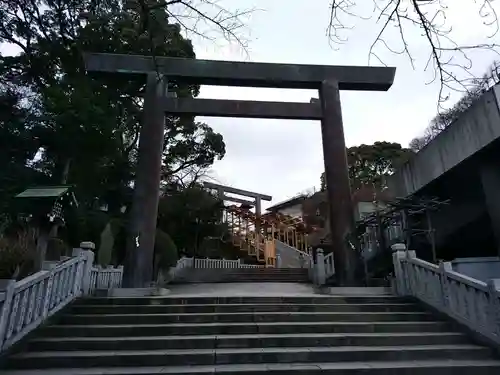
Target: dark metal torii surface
{"points": [[327, 79]]}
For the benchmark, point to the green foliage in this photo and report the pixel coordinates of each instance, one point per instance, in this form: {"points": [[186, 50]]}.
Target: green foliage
{"points": [[85, 225], [190, 215], [371, 164], [105, 252], [56, 248], [17, 255], [166, 254], [84, 128]]}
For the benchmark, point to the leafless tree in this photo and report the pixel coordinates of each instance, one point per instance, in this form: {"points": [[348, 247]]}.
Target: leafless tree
{"points": [[207, 19], [450, 61], [447, 117]]}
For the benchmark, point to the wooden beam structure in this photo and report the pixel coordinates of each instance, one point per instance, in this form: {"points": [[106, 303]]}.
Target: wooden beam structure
{"points": [[245, 74], [242, 108]]}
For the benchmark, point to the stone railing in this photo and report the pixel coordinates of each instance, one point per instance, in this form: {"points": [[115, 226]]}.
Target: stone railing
{"points": [[243, 265], [106, 277], [216, 263], [291, 257], [322, 268], [25, 304], [471, 302], [211, 263]]}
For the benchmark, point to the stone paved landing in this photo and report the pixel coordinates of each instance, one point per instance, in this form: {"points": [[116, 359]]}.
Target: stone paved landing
{"points": [[242, 289]]}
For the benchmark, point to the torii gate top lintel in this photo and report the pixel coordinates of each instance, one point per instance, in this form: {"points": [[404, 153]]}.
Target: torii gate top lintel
{"points": [[245, 74], [228, 189]]}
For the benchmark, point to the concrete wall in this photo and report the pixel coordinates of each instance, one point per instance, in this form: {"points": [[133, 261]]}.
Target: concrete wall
{"points": [[478, 268], [451, 218], [289, 256], [475, 129]]}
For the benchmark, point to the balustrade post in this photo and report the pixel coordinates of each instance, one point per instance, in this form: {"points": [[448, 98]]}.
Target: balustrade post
{"points": [[444, 268], [120, 280], [7, 287], [86, 249], [494, 306], [401, 283], [278, 261], [320, 267], [411, 288]]}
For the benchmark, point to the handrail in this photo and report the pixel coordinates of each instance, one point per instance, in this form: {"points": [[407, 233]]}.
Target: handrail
{"points": [[106, 277], [469, 301], [329, 266], [26, 303]]}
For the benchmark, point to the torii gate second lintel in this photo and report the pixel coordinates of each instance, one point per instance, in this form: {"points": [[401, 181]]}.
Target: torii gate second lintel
{"points": [[327, 79]]}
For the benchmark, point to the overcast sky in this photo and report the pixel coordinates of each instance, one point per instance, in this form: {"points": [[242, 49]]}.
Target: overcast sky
{"points": [[284, 157]]}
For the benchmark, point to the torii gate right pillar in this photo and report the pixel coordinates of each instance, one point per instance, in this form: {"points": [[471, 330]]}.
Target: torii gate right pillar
{"points": [[337, 182]]}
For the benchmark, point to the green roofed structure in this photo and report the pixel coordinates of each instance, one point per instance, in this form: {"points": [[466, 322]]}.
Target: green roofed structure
{"points": [[44, 208]]}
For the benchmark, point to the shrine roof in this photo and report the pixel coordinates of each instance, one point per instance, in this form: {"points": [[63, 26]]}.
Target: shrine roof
{"points": [[44, 192]]}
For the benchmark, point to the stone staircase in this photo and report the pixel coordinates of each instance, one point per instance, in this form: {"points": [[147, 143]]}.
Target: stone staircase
{"points": [[243, 275], [372, 335]]}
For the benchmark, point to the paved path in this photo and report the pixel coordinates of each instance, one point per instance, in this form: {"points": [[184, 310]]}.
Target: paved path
{"points": [[267, 289], [243, 289]]}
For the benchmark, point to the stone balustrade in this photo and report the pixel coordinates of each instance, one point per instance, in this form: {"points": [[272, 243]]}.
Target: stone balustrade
{"points": [[25, 304], [322, 268], [471, 302]]}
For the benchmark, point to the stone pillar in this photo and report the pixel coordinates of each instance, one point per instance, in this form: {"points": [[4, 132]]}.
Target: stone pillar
{"points": [[490, 178], [258, 213], [87, 250], [320, 267], [494, 306], [141, 235], [444, 268], [7, 287], [278, 261], [397, 257], [340, 208]]}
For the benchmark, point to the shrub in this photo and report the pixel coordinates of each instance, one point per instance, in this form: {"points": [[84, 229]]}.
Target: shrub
{"points": [[166, 254], [17, 255]]}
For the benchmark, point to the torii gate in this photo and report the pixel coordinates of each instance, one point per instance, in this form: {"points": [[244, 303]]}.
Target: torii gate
{"points": [[256, 201], [327, 79]]}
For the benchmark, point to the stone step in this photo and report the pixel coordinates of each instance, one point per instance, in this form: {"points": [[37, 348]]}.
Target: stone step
{"points": [[243, 341], [253, 300], [244, 317], [225, 308], [262, 271], [239, 279], [190, 357], [422, 367], [228, 279], [267, 271], [116, 330]]}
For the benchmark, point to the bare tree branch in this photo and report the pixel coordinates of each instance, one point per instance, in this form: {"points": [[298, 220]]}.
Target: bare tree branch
{"points": [[450, 61]]}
